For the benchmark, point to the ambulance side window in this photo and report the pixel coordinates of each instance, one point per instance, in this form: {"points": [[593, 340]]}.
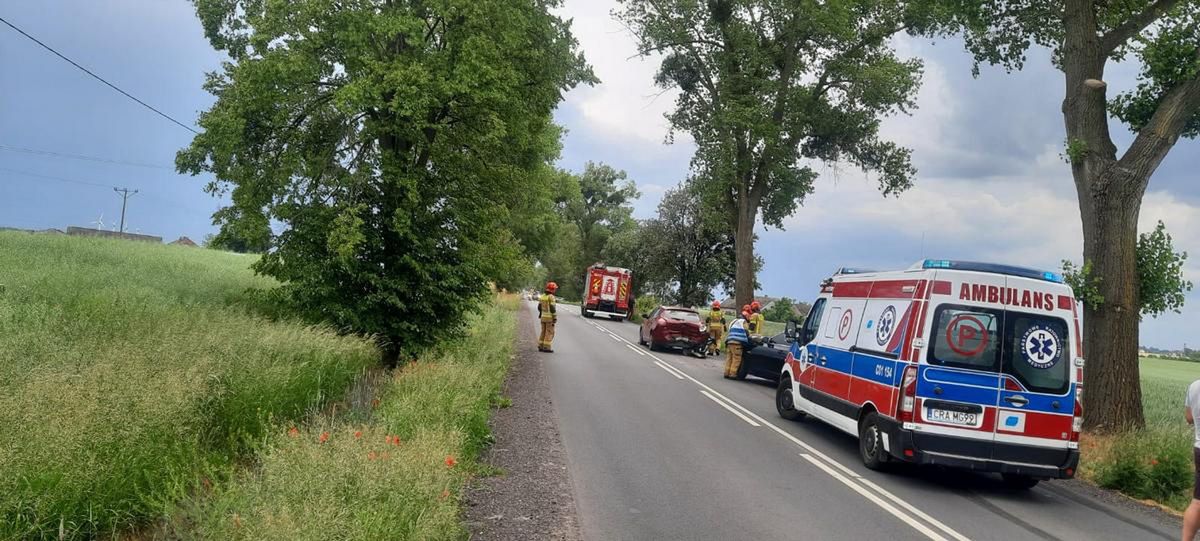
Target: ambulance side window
{"points": [[813, 323], [966, 337]]}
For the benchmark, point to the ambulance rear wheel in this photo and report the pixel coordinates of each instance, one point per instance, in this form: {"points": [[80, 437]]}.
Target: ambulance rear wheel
{"points": [[785, 403], [1018, 482], [870, 442]]}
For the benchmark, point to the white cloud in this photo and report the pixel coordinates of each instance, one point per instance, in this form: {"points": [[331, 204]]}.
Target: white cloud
{"points": [[626, 104]]}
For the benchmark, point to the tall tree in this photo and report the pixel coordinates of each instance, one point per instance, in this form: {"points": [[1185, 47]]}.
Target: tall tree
{"points": [[1161, 36], [765, 85], [602, 207], [687, 250], [390, 139]]}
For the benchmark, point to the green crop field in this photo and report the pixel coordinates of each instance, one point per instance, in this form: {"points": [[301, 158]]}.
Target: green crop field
{"points": [[132, 372], [1155, 463]]}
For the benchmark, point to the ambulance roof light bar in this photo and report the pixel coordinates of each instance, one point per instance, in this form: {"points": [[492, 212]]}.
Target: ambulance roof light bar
{"points": [[852, 270], [992, 268]]}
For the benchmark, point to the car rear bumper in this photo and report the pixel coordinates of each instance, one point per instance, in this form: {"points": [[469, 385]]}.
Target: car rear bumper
{"points": [[1043, 463]]}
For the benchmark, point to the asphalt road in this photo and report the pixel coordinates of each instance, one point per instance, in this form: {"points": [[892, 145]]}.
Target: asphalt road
{"points": [[660, 446]]}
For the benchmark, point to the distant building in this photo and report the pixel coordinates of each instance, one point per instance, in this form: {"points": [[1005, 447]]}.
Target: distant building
{"points": [[89, 232], [184, 241]]}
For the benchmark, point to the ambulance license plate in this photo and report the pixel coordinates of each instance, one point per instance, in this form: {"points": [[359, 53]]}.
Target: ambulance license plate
{"points": [[951, 417]]}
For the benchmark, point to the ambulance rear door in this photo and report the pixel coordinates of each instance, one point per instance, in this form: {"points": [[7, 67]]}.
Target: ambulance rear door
{"points": [[958, 387], [1037, 399]]}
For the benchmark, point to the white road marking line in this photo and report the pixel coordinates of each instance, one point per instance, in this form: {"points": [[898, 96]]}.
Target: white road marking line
{"points": [[874, 499], [671, 369], [913, 510], [936, 523], [635, 350], [664, 367], [727, 406], [617, 338]]}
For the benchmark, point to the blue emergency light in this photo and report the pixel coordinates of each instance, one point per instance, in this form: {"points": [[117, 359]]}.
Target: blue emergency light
{"points": [[992, 268]]}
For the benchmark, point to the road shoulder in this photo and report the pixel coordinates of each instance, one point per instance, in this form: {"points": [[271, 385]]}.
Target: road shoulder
{"points": [[531, 497]]}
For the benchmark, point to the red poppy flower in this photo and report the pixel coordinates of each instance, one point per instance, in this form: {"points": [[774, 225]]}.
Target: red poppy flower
{"points": [[445, 494], [292, 432], [358, 435], [395, 440], [450, 462], [1154, 462], [324, 437]]}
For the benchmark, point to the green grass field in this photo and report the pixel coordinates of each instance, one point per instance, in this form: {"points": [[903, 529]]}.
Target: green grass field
{"points": [[133, 372], [394, 471], [1155, 463]]}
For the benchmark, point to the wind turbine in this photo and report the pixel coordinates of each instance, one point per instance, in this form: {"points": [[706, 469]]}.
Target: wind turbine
{"points": [[99, 223]]}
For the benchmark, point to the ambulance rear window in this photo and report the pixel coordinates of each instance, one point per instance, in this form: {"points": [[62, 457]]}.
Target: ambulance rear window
{"points": [[966, 337], [1037, 352]]}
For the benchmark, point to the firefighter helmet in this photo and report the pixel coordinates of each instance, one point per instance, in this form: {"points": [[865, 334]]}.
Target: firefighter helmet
{"points": [[551, 287], [716, 305], [754, 306]]}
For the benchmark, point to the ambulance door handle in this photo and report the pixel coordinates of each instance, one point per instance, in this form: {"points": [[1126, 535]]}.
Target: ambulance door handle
{"points": [[1016, 400]]}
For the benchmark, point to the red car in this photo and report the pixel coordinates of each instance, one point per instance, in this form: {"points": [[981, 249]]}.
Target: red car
{"points": [[673, 327]]}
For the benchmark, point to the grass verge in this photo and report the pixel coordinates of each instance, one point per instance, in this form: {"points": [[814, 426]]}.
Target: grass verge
{"points": [[133, 371], [1155, 463], [396, 473]]}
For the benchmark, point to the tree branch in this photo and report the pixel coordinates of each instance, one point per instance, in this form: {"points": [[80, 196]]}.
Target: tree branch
{"points": [[1157, 137], [1123, 32]]}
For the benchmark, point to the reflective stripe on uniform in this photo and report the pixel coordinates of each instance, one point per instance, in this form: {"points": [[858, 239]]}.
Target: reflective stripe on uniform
{"points": [[737, 332]]}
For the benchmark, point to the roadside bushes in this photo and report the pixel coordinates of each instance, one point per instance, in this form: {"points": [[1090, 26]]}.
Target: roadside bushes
{"points": [[1147, 465]]}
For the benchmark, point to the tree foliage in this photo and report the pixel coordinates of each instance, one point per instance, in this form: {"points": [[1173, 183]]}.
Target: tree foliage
{"points": [[241, 231], [1160, 273], [597, 205], [780, 310], [688, 251], [767, 85], [395, 142]]}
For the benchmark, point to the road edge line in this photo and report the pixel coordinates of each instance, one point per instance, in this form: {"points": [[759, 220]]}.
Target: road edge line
{"points": [[874, 499], [748, 420]]}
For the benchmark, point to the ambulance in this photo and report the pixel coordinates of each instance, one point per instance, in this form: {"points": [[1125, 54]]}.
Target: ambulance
{"points": [[954, 363]]}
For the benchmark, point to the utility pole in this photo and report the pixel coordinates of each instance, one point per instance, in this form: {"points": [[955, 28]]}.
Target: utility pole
{"points": [[125, 194]]}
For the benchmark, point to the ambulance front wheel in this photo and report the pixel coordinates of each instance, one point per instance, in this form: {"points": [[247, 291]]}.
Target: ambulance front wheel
{"points": [[785, 403], [870, 442], [1018, 482]]}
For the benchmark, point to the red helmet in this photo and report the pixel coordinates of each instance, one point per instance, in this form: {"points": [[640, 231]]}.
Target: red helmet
{"points": [[754, 306], [716, 305], [551, 286]]}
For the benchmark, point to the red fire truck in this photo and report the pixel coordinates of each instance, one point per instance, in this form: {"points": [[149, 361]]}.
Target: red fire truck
{"points": [[608, 292]]}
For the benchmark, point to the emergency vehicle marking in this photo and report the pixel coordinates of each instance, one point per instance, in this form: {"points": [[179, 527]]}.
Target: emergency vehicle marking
{"points": [[1040, 346], [844, 327], [964, 328], [887, 324], [1007, 296]]}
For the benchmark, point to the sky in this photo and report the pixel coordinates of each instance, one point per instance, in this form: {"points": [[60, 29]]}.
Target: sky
{"points": [[991, 184]]}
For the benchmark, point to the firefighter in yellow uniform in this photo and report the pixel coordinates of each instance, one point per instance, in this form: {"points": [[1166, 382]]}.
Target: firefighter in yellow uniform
{"points": [[734, 342], [547, 316], [716, 328], [757, 320]]}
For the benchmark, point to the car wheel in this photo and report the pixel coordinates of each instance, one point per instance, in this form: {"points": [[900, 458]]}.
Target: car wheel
{"points": [[785, 403], [1018, 482], [653, 346], [870, 442]]}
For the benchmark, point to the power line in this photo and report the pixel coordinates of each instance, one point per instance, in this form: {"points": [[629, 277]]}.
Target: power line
{"points": [[97, 77], [59, 179], [81, 157]]}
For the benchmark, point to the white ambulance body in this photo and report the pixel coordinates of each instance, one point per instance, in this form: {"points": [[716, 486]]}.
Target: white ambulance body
{"points": [[956, 363]]}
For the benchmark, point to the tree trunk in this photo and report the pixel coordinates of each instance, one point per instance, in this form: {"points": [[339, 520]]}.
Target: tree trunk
{"points": [[743, 249], [1113, 400]]}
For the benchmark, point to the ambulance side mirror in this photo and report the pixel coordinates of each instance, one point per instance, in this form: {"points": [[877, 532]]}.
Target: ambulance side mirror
{"points": [[790, 331]]}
